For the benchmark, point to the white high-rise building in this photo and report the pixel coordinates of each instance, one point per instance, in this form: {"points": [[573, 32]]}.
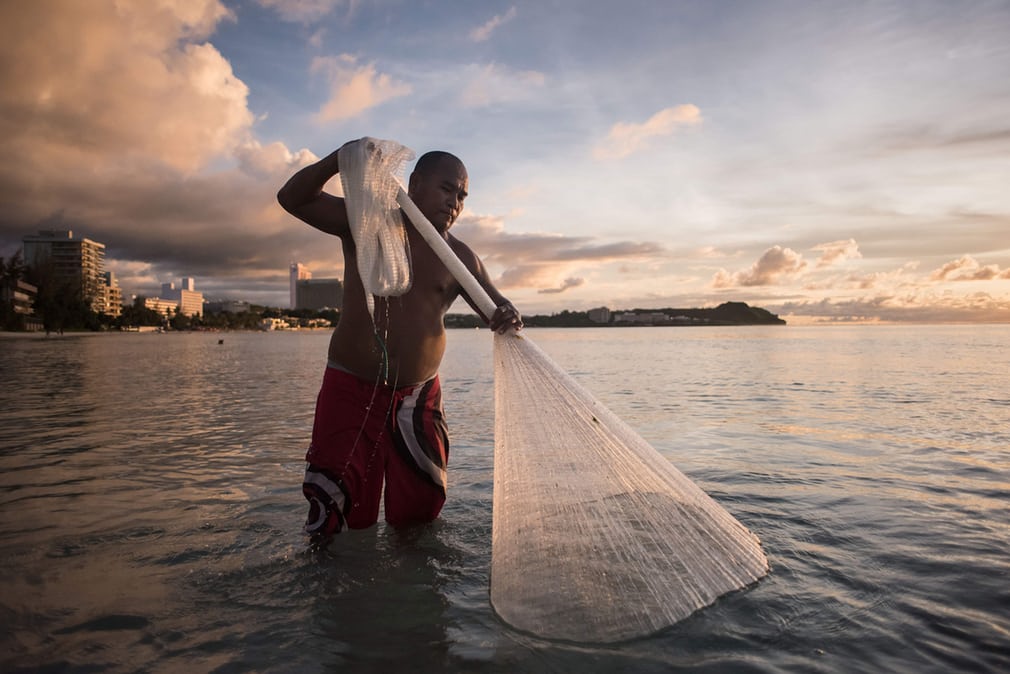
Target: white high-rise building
{"points": [[186, 298], [298, 272]]}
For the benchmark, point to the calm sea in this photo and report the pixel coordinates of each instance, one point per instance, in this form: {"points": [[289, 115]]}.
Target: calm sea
{"points": [[150, 504]]}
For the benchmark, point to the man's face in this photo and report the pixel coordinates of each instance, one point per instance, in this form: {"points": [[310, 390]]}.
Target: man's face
{"points": [[440, 192]]}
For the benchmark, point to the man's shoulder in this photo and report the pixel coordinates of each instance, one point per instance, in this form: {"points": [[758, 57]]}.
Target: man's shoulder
{"points": [[459, 246]]}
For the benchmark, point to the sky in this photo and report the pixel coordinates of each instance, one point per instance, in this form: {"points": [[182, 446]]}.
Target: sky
{"points": [[828, 161]]}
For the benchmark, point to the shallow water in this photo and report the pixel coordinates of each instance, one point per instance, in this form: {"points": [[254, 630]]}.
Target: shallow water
{"points": [[150, 504]]}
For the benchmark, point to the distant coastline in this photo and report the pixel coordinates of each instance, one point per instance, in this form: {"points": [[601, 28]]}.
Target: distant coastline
{"points": [[726, 314]]}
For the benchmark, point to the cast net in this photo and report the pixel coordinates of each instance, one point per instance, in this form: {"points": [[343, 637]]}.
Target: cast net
{"points": [[596, 536], [369, 175]]}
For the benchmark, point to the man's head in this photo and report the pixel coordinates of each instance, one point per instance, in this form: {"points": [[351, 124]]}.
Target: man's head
{"points": [[438, 185]]}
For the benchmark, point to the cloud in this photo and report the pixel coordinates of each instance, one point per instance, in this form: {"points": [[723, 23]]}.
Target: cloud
{"points": [[899, 278], [625, 138], [123, 120], [984, 140], [836, 251], [571, 282], [707, 253], [914, 306], [493, 84], [482, 33], [537, 260], [132, 78], [301, 11], [967, 268], [488, 234], [354, 88], [272, 159], [317, 38], [775, 264]]}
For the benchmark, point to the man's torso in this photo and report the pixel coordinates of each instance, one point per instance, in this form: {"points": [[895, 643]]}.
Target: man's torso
{"points": [[406, 342]]}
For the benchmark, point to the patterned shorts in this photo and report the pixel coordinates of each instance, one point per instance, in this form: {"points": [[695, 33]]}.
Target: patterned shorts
{"points": [[366, 437]]}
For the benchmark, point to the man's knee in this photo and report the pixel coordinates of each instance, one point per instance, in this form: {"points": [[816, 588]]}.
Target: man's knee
{"points": [[417, 508]]}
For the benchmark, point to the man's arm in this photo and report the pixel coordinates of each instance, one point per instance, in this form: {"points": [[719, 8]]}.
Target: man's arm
{"points": [[505, 315], [302, 196]]}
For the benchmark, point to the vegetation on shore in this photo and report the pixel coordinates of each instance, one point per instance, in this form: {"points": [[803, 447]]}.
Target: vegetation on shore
{"points": [[728, 313]]}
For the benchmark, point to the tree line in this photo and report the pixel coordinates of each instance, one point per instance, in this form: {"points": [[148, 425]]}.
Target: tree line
{"points": [[60, 304]]}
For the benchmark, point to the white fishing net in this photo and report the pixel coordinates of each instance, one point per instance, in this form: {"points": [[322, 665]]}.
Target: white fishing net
{"points": [[369, 174], [596, 536]]}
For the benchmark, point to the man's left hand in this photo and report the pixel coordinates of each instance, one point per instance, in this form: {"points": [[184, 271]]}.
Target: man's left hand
{"points": [[506, 316]]}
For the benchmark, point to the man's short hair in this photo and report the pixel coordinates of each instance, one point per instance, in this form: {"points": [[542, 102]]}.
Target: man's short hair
{"points": [[430, 160]]}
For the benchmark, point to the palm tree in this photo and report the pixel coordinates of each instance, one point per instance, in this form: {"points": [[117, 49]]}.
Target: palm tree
{"points": [[14, 269]]}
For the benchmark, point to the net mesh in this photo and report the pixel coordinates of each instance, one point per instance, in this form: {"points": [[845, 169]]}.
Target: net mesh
{"points": [[369, 174], [596, 536]]}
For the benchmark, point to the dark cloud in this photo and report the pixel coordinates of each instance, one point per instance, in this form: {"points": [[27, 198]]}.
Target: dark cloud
{"points": [[537, 260], [573, 282], [487, 235], [619, 250]]}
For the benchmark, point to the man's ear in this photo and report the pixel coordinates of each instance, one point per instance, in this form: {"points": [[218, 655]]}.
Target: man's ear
{"points": [[412, 182]]}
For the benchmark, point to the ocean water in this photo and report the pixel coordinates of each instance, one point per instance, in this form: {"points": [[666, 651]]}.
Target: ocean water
{"points": [[150, 505]]}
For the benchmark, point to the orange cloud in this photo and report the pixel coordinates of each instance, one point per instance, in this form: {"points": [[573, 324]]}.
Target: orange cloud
{"points": [[354, 88], [916, 306], [482, 33], [134, 79], [626, 138], [775, 264], [967, 268], [836, 251]]}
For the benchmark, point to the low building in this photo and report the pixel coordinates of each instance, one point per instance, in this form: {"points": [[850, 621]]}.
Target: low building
{"points": [[19, 296], [599, 315], [642, 318], [162, 306], [269, 324], [189, 301]]}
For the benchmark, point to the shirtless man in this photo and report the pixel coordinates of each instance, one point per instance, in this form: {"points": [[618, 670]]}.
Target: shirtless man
{"points": [[379, 411]]}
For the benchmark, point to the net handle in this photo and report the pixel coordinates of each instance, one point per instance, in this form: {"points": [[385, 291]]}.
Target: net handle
{"points": [[446, 254]]}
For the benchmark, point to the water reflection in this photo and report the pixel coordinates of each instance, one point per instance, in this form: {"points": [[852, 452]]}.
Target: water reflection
{"points": [[150, 505]]}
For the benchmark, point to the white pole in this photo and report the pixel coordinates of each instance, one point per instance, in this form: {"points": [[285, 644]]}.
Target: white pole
{"points": [[446, 254]]}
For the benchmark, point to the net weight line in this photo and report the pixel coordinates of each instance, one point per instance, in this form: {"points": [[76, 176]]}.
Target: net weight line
{"points": [[596, 537]]}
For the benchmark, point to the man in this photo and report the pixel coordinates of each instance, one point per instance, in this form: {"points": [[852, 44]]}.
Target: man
{"points": [[379, 411]]}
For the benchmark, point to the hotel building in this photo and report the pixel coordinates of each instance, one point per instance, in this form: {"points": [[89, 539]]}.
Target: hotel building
{"points": [[79, 262], [185, 299]]}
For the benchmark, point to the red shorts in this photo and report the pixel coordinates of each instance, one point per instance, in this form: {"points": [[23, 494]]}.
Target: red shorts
{"points": [[364, 434]]}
